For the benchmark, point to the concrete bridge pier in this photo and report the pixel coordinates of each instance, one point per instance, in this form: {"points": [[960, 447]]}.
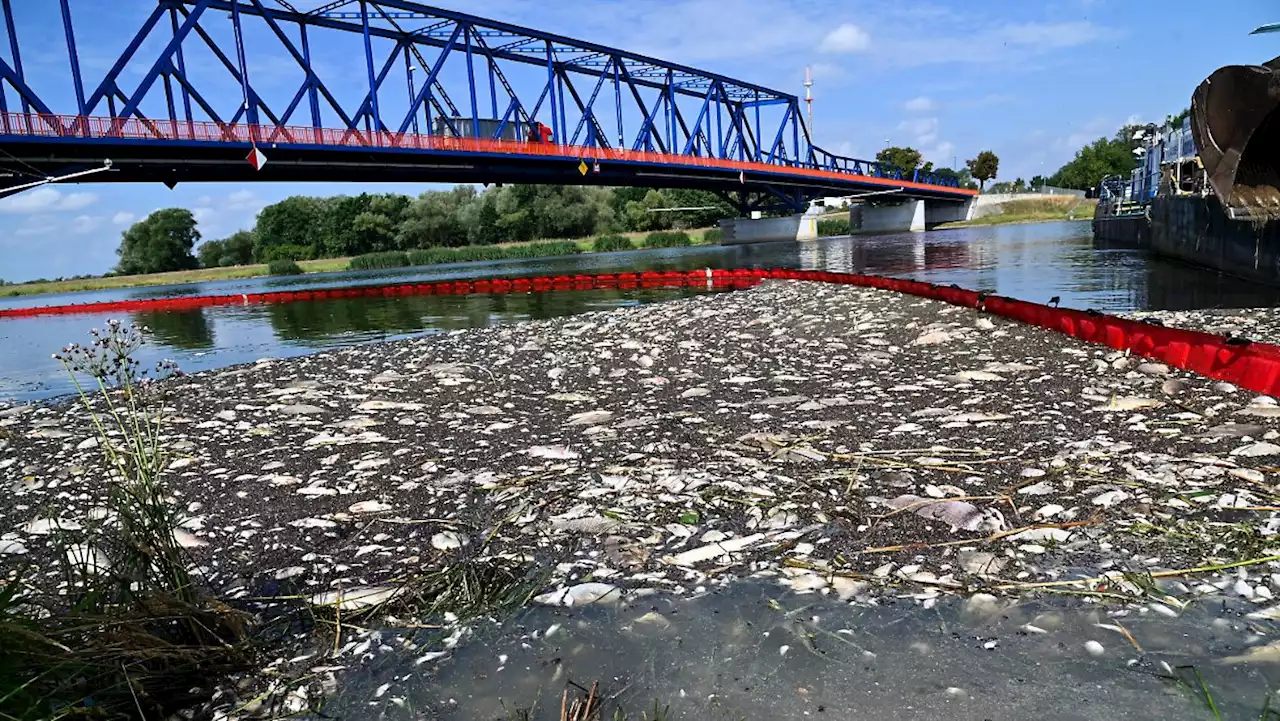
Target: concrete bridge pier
{"points": [[767, 230], [901, 217], [907, 216]]}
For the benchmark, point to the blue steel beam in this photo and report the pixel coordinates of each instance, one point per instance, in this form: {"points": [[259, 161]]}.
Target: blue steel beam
{"points": [[496, 42]]}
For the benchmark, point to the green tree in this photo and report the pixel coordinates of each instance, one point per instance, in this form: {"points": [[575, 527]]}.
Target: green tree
{"points": [[962, 177], [484, 230], [161, 242], [683, 198], [210, 253], [290, 227], [1038, 181], [984, 167], [1097, 160], [433, 219], [339, 237], [237, 249], [638, 215], [908, 159]]}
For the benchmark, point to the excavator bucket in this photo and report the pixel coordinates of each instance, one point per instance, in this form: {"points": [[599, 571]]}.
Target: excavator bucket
{"points": [[1235, 120]]}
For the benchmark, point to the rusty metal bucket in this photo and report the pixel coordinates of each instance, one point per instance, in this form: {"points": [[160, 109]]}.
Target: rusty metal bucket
{"points": [[1235, 119]]}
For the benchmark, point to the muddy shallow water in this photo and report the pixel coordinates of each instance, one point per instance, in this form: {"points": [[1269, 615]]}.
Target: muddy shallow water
{"points": [[751, 650]]}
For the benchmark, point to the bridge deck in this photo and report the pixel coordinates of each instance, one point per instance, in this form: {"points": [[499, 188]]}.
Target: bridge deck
{"points": [[191, 151]]}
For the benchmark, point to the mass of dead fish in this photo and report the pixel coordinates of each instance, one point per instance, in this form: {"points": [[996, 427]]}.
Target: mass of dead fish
{"points": [[843, 441]]}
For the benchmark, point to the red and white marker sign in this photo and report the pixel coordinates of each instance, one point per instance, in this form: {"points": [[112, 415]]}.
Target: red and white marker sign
{"points": [[256, 158]]}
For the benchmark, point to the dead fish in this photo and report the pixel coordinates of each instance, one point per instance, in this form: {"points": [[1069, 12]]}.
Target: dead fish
{"points": [[553, 452], [959, 514]]}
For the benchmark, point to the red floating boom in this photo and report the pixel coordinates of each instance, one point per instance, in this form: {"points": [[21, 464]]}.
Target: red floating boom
{"points": [[1255, 366]]}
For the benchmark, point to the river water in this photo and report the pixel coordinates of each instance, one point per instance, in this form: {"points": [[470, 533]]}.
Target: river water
{"points": [[749, 650], [1031, 262]]}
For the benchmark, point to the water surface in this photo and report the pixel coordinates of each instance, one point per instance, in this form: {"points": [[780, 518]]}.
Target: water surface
{"points": [[1034, 262], [752, 651]]}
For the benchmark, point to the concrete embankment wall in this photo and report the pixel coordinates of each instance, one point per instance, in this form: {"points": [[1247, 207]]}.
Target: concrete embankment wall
{"points": [[1199, 231]]}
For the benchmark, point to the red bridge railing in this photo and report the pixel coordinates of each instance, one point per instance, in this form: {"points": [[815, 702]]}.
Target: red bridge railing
{"points": [[97, 128]]}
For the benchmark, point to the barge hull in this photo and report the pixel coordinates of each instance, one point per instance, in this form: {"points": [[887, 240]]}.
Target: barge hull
{"points": [[1198, 230]]}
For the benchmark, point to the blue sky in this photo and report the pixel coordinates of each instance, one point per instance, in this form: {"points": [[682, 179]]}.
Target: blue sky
{"points": [[1031, 81]]}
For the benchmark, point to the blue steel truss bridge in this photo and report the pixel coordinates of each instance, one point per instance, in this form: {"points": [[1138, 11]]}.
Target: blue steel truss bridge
{"points": [[392, 90]]}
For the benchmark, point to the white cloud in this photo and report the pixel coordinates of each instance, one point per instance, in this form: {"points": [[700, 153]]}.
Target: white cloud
{"points": [[921, 104], [923, 131], [848, 38], [123, 217], [85, 224], [45, 200], [245, 200]]}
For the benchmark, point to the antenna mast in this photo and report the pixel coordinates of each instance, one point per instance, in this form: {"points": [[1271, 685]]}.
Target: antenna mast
{"points": [[808, 96]]}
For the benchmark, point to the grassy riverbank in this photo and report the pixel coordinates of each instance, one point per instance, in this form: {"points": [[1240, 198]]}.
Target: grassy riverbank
{"points": [[323, 265], [1039, 210], [203, 275]]}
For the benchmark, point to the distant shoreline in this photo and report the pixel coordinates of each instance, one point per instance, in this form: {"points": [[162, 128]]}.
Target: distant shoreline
{"points": [[236, 272]]}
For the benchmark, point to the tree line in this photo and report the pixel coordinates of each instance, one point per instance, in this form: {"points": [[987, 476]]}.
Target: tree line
{"points": [[982, 168], [1106, 156], [306, 227]]}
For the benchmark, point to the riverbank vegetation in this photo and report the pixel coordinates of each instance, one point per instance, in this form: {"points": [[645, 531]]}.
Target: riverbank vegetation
{"points": [[834, 224], [1099, 159], [120, 624], [1034, 210]]}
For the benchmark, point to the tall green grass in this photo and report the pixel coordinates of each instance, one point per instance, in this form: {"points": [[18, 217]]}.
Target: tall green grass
{"points": [[465, 254], [711, 236], [610, 243], [668, 239], [134, 631], [833, 226], [284, 267], [377, 261]]}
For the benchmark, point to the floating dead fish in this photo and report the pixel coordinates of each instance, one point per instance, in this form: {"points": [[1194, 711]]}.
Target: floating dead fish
{"points": [[86, 559], [714, 550], [959, 514], [1254, 450], [590, 418], [12, 548], [934, 337], [356, 599], [1056, 535], [187, 539], [978, 376], [447, 540], [376, 405], [296, 409], [313, 523], [1269, 653], [45, 526], [1129, 403], [582, 594], [369, 507], [553, 452]]}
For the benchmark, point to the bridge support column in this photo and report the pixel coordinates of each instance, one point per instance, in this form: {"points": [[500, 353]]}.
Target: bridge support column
{"points": [[766, 230], [898, 218], [947, 211]]}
